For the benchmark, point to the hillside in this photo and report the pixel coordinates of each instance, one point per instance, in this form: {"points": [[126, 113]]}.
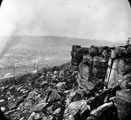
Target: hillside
{"points": [[41, 50], [96, 86]]}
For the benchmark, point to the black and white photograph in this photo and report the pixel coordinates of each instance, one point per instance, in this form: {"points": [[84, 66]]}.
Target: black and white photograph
{"points": [[65, 60]]}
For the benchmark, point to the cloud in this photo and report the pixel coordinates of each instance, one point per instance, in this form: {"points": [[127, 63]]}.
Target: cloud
{"points": [[91, 19]]}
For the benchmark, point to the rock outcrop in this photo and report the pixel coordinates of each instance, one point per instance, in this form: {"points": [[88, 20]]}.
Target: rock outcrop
{"points": [[96, 85]]}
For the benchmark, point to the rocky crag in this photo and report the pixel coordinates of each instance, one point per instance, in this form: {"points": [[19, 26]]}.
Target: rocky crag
{"points": [[95, 85]]}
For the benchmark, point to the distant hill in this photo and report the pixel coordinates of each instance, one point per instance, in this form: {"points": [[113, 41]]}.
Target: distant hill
{"points": [[57, 41], [24, 50]]}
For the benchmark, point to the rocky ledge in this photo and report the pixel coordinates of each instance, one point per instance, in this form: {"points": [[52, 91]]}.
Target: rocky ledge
{"points": [[95, 85]]}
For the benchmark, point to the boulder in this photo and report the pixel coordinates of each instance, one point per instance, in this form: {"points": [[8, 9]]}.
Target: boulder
{"points": [[91, 118], [61, 85], [98, 111], [39, 107], [22, 118], [57, 111], [2, 116], [53, 96], [123, 102], [3, 109], [124, 82], [75, 107], [37, 117], [74, 96], [31, 117]]}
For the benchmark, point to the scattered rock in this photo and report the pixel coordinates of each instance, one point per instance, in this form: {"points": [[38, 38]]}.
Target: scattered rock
{"points": [[96, 85], [75, 107]]}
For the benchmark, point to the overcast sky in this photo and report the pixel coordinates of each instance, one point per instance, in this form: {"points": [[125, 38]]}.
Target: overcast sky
{"points": [[91, 19]]}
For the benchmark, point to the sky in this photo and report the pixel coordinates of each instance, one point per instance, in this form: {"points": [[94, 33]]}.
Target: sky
{"points": [[90, 19]]}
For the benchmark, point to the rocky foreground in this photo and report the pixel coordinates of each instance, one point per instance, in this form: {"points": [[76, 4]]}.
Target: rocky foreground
{"points": [[94, 86]]}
